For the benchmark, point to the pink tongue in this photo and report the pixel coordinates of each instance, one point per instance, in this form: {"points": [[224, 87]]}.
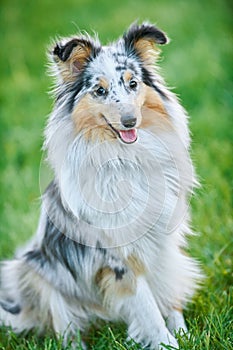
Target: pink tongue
{"points": [[128, 136]]}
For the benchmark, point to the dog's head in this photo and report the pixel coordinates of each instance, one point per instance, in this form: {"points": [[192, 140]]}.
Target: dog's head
{"points": [[107, 87]]}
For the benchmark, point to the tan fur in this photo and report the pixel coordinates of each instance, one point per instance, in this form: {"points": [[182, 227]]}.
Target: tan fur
{"points": [[154, 101], [147, 51], [127, 76], [88, 118], [136, 265], [112, 288], [153, 111], [104, 83], [74, 63]]}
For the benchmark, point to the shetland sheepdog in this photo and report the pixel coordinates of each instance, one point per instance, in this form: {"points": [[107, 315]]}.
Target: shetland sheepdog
{"points": [[112, 231]]}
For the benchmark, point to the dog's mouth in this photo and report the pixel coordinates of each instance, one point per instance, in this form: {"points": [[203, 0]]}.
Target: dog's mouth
{"points": [[126, 136]]}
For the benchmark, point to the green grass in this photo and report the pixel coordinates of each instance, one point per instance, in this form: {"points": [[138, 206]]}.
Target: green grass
{"points": [[198, 63]]}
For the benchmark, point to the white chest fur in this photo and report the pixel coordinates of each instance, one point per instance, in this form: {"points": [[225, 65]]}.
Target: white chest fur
{"points": [[123, 191]]}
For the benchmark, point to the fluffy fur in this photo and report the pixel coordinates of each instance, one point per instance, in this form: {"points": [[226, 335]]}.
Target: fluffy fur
{"points": [[113, 222]]}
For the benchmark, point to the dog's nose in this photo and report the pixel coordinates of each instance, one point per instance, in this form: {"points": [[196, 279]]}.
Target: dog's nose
{"points": [[128, 121]]}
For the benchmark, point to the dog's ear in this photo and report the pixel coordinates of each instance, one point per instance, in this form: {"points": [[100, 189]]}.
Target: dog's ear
{"points": [[72, 56], [141, 40]]}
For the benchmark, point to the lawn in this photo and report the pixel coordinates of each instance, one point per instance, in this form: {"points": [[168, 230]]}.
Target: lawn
{"points": [[197, 62]]}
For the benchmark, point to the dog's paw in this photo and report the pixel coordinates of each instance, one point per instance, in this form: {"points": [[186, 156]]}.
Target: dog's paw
{"points": [[167, 339], [163, 341], [175, 323], [160, 342]]}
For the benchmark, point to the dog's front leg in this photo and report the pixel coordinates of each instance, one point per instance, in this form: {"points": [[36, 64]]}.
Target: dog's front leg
{"points": [[146, 324], [129, 297], [175, 321]]}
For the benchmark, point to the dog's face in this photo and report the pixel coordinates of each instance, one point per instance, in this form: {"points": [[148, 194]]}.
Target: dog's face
{"points": [[111, 87]]}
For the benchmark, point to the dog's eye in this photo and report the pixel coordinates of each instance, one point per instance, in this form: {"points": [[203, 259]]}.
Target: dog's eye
{"points": [[133, 84], [101, 91]]}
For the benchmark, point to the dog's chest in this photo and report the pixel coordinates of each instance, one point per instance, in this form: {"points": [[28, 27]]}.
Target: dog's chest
{"points": [[121, 191]]}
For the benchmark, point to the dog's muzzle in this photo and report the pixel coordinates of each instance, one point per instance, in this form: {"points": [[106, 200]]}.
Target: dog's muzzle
{"points": [[128, 121], [129, 135]]}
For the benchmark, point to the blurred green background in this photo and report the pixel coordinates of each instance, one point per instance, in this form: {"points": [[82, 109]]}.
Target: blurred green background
{"points": [[197, 62]]}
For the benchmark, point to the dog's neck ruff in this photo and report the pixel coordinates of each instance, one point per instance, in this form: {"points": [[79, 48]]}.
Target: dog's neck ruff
{"points": [[122, 191]]}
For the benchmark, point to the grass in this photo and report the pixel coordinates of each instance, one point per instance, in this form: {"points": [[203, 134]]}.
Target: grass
{"points": [[197, 61]]}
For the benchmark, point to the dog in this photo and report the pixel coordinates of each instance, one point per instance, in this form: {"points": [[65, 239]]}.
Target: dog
{"points": [[113, 225]]}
